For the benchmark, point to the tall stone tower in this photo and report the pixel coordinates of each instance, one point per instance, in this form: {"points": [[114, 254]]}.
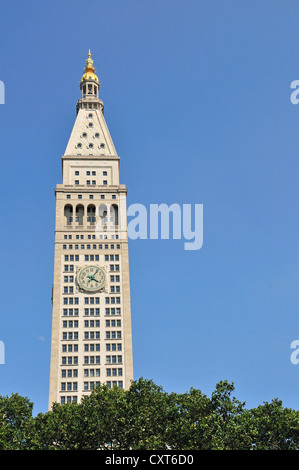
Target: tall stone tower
{"points": [[91, 319]]}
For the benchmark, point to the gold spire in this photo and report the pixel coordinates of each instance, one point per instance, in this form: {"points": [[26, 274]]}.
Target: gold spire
{"points": [[89, 70]]}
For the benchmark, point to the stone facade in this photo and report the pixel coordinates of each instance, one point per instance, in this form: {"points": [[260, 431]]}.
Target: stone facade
{"points": [[91, 323]]}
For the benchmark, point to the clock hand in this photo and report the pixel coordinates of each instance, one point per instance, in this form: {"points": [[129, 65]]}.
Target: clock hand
{"points": [[91, 277]]}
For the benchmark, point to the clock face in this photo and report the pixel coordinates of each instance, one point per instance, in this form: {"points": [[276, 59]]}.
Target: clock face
{"points": [[91, 278]]}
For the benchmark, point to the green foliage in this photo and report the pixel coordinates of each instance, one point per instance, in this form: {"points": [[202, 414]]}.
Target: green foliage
{"points": [[146, 417], [16, 423]]}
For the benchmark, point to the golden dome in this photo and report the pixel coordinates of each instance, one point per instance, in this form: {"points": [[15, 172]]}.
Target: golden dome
{"points": [[89, 70]]}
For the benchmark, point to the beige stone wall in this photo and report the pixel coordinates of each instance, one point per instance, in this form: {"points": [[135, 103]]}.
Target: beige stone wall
{"points": [[85, 241]]}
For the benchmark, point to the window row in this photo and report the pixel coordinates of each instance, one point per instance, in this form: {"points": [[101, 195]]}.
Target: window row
{"points": [[71, 258], [69, 373], [92, 173], [111, 257], [112, 279], [91, 311], [69, 386], [91, 323], [80, 196], [96, 335], [70, 312], [69, 360], [68, 399], [113, 334], [70, 267], [75, 300], [73, 386], [92, 359], [90, 335], [91, 300], [74, 399], [113, 323], [91, 182], [88, 247], [90, 196], [68, 290], [113, 290], [90, 372], [114, 372], [90, 385], [71, 335], [112, 300], [91, 347], [113, 347], [96, 311], [113, 311], [114, 359], [70, 300], [73, 360], [69, 347], [92, 237], [115, 383]]}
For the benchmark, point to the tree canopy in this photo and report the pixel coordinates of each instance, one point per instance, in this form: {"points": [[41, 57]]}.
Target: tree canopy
{"points": [[145, 417]]}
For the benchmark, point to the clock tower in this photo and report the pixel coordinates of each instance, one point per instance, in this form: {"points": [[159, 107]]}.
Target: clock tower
{"points": [[91, 317]]}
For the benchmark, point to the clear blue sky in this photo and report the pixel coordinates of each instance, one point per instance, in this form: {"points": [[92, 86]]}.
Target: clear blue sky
{"points": [[197, 99]]}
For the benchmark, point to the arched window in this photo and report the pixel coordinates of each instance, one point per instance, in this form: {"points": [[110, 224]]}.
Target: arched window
{"points": [[79, 214], [68, 214], [114, 214], [91, 214]]}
